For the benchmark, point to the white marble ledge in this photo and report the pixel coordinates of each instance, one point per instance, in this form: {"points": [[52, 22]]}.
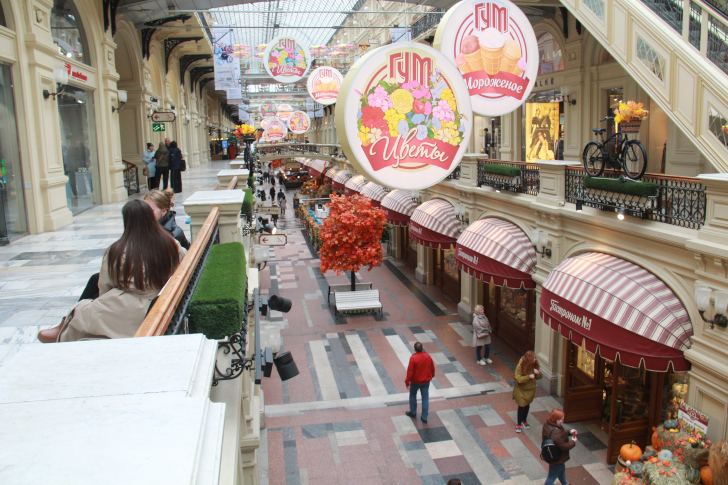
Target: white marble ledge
{"points": [[181, 365], [232, 172], [214, 197]]}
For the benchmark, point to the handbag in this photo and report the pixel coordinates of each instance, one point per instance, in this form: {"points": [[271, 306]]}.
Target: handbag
{"points": [[182, 165], [145, 172]]}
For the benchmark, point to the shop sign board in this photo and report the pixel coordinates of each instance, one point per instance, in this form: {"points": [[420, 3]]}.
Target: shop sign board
{"points": [[286, 59], [404, 112], [268, 210], [158, 127], [224, 144], [299, 122], [495, 50], [323, 85], [163, 117], [275, 130], [284, 111], [75, 73], [691, 420], [268, 109], [273, 239]]}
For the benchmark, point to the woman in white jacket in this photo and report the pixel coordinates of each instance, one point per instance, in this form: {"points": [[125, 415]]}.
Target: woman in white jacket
{"points": [[481, 335]]}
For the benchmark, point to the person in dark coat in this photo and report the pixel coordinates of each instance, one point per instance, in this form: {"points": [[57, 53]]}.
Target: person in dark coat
{"points": [[175, 167], [162, 158], [282, 201], [564, 441], [162, 203], [272, 193]]}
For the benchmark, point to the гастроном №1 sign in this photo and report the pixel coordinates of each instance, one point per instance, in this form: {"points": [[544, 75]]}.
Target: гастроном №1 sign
{"points": [[495, 50], [323, 84], [404, 113], [286, 59]]}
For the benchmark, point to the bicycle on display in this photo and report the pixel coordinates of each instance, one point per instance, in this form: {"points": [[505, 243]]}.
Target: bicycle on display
{"points": [[617, 152]]}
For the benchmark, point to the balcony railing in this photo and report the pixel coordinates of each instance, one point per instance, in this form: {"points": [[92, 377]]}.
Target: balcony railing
{"points": [[528, 183], [429, 21], [680, 201], [455, 174], [131, 178]]}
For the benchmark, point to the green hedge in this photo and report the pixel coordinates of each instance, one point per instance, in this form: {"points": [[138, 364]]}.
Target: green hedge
{"points": [[497, 169], [218, 303], [627, 187], [247, 207]]}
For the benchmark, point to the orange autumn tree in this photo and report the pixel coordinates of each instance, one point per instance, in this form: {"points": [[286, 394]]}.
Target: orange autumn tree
{"points": [[351, 235]]}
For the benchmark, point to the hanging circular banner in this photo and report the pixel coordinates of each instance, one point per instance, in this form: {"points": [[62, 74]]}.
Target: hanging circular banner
{"points": [[323, 84], [495, 50], [403, 116], [286, 59], [264, 122], [299, 122], [275, 129], [268, 109], [284, 111]]}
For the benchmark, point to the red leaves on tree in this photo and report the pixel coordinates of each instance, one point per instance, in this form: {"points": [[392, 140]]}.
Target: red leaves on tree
{"points": [[351, 234]]}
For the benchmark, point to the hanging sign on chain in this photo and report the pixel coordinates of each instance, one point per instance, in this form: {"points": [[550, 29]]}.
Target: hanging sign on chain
{"points": [[403, 116], [299, 122], [284, 111], [495, 50], [226, 66], [286, 59], [268, 109], [323, 84], [275, 130]]}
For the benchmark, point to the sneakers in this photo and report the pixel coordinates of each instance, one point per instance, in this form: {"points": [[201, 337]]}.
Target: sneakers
{"points": [[518, 428], [526, 425], [481, 362], [489, 361]]}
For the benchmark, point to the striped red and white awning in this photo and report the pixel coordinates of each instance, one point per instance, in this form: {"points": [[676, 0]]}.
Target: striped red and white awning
{"points": [[497, 249], [340, 179], [618, 309], [317, 167], [398, 206], [433, 224], [375, 192], [330, 173], [355, 185], [306, 162]]}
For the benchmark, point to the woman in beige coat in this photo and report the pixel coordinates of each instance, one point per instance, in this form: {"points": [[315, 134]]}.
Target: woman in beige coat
{"points": [[524, 390], [133, 271], [481, 335]]}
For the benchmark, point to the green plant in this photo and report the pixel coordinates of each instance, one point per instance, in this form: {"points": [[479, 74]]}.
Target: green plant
{"points": [[247, 207], [627, 187], [217, 307], [498, 169]]}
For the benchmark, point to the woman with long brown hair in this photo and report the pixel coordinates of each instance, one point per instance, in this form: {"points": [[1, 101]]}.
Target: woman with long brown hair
{"points": [[133, 271], [524, 390]]}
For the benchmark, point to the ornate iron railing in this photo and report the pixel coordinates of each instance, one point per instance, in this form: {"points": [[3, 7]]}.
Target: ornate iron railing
{"points": [[455, 174], [671, 11], [131, 178], [428, 21], [680, 201], [528, 183]]}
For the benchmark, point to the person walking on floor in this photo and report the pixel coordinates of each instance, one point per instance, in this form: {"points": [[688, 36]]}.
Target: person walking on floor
{"points": [[175, 167], [524, 390], [162, 158], [553, 429], [420, 371], [272, 192], [151, 165], [481, 335], [282, 201]]}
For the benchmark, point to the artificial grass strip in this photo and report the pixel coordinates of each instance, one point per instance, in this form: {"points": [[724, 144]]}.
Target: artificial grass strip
{"points": [[247, 207], [218, 303], [626, 187], [498, 169]]}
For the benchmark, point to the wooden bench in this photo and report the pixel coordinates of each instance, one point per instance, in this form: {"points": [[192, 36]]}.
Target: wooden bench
{"points": [[352, 301], [347, 287]]}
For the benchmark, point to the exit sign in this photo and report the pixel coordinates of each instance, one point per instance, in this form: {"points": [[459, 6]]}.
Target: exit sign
{"points": [[158, 127]]}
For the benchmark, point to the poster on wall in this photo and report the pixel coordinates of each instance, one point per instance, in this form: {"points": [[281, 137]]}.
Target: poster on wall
{"points": [[284, 111], [268, 109], [275, 130], [404, 112], [226, 66], [286, 59], [323, 85], [495, 50], [542, 130], [299, 122]]}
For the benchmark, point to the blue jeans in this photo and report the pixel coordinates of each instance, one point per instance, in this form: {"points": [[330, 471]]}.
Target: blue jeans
{"points": [[486, 351], [556, 471], [425, 393]]}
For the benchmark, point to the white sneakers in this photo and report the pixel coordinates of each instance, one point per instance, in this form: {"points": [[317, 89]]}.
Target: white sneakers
{"points": [[481, 362], [485, 361], [489, 361]]}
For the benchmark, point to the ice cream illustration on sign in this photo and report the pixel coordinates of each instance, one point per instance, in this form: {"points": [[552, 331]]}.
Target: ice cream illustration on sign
{"points": [[492, 52]]}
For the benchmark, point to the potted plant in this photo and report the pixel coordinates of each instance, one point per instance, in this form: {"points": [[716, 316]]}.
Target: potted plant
{"points": [[629, 116]]}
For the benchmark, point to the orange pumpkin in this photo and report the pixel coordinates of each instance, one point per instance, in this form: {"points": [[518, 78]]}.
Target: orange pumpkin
{"points": [[706, 476], [655, 441], [630, 452]]}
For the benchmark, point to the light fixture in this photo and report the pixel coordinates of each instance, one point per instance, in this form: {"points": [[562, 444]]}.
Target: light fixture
{"points": [[540, 240], [621, 213], [460, 214], [415, 196], [122, 97], [568, 99], [703, 293], [579, 206], [60, 75]]}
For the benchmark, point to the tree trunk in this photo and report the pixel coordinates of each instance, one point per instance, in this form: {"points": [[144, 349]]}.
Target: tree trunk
{"points": [[352, 281]]}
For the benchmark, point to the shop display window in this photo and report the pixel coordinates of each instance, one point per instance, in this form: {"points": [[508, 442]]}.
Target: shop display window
{"points": [[633, 394], [549, 52], [585, 362], [542, 126], [67, 31], [674, 391], [450, 264], [514, 303]]}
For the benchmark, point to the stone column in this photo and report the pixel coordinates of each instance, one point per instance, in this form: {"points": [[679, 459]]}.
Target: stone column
{"points": [[469, 170], [468, 296]]}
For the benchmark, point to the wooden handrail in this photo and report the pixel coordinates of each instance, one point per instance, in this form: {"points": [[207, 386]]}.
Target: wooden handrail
{"points": [[129, 165], [160, 316], [233, 183]]}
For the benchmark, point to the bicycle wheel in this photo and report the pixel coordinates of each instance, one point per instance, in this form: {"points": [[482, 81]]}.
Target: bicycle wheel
{"points": [[634, 159], [594, 158]]}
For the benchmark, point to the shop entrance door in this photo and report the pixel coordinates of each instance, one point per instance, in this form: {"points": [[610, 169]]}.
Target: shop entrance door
{"points": [[410, 254], [584, 396]]}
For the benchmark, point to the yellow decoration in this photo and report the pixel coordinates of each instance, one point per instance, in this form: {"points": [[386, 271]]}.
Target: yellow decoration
{"points": [[630, 111], [402, 101]]}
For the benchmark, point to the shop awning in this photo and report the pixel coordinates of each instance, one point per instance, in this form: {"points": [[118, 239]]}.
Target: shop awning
{"points": [[433, 224], [317, 167], [355, 185], [618, 309], [330, 173], [398, 206], [306, 162], [497, 249], [375, 192], [340, 179]]}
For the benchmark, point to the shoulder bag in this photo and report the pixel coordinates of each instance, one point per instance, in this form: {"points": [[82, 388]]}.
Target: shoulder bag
{"points": [[550, 453]]}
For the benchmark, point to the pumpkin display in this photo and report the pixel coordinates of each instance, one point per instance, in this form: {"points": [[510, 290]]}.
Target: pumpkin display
{"points": [[706, 476], [637, 468], [665, 455], [647, 455], [630, 452], [656, 441], [692, 475], [671, 424]]}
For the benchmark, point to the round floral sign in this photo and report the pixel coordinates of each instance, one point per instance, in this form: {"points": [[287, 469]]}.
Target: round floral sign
{"points": [[299, 122], [323, 85], [284, 111], [268, 109], [405, 112], [286, 59], [264, 122], [275, 130], [495, 50]]}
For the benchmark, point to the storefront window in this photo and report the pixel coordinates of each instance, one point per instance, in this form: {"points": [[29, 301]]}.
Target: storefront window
{"points": [[543, 130], [549, 52], [674, 391], [451, 266], [514, 304], [586, 362], [13, 220], [78, 145], [633, 396], [67, 31]]}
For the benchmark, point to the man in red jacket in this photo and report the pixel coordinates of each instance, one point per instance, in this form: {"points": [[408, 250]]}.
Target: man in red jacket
{"points": [[420, 371]]}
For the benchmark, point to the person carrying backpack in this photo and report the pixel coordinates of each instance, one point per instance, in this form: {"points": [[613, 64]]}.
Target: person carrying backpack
{"points": [[555, 445]]}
